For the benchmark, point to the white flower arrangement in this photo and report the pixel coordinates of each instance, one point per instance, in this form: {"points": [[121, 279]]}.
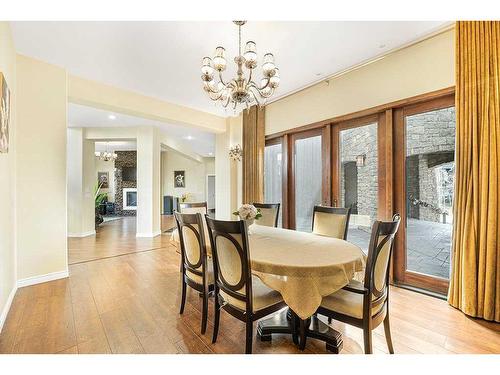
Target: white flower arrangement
{"points": [[248, 212]]}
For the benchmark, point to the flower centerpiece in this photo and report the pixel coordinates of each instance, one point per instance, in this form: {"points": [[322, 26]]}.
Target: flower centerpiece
{"points": [[185, 197], [249, 213]]}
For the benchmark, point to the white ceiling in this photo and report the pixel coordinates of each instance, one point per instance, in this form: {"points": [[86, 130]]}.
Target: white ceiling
{"points": [[202, 143], [162, 59]]}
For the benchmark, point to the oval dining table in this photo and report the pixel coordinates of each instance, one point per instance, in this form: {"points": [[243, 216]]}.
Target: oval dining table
{"points": [[304, 268]]}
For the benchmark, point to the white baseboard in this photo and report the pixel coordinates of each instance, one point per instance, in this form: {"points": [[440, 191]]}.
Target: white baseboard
{"points": [[84, 234], [148, 235], [42, 279], [6, 308]]}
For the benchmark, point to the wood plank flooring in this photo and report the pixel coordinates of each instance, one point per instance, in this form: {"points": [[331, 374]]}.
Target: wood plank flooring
{"points": [[129, 304], [116, 237]]}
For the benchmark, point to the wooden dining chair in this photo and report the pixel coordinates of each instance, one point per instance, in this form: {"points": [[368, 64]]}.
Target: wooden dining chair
{"points": [[193, 208], [236, 291], [270, 214], [196, 268], [331, 221], [366, 305]]}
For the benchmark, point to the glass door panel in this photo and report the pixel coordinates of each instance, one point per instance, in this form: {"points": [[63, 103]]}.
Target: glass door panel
{"points": [[358, 180], [429, 175], [273, 185], [308, 179]]}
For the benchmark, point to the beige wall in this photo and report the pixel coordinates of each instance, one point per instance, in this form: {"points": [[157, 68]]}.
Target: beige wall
{"points": [[228, 181], [421, 68], [107, 166], [196, 174], [41, 169], [7, 179], [96, 94]]}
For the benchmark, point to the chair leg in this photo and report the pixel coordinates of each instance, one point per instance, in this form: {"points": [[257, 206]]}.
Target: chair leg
{"points": [[367, 337], [183, 295], [216, 318], [329, 320], [204, 314], [249, 336], [388, 338]]}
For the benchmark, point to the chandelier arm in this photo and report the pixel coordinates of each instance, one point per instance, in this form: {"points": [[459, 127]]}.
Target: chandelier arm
{"points": [[255, 96], [249, 75], [221, 79]]}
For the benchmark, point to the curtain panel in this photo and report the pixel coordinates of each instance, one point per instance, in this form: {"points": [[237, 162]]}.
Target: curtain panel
{"points": [[475, 277]]}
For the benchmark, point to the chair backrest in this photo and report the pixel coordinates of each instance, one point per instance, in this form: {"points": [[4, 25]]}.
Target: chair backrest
{"points": [[193, 208], [233, 276], [193, 249], [270, 214], [331, 221], [379, 254]]}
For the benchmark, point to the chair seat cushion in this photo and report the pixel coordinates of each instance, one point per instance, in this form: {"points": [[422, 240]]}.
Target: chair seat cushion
{"points": [[347, 303], [209, 271], [263, 296]]}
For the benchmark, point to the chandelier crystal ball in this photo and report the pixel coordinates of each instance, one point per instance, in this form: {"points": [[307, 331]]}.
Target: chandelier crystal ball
{"points": [[242, 89]]}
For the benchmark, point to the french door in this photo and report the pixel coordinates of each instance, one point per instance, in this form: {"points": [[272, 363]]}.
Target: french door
{"points": [[309, 176], [355, 172], [424, 159]]}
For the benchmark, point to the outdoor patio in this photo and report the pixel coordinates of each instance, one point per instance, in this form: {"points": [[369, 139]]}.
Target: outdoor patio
{"points": [[429, 245]]}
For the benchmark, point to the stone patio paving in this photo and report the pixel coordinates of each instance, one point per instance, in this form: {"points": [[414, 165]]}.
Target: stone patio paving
{"points": [[429, 245]]}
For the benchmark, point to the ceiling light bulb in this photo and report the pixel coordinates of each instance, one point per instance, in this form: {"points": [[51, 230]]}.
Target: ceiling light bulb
{"points": [[112, 117], [189, 137]]}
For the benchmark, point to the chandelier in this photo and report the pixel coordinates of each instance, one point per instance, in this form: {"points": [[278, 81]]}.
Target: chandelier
{"points": [[106, 155], [239, 90]]}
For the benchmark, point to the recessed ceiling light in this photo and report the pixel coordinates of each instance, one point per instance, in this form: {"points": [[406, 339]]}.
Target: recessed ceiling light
{"points": [[112, 117], [210, 154], [189, 137]]}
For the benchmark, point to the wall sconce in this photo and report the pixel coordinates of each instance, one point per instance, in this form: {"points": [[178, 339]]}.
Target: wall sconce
{"points": [[235, 153], [361, 160]]}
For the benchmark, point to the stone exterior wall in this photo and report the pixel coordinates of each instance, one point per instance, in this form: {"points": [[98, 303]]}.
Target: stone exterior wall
{"points": [[430, 144], [361, 141], [431, 139], [124, 159]]}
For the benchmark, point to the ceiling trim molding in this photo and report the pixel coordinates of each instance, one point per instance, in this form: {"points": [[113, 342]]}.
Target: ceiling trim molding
{"points": [[447, 27]]}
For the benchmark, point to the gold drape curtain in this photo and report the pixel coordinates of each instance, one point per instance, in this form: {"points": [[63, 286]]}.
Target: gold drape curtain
{"points": [[475, 278], [253, 155]]}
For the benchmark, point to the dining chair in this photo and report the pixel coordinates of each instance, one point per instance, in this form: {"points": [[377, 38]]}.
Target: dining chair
{"points": [[196, 267], [331, 221], [366, 305], [270, 214], [193, 207], [237, 291]]}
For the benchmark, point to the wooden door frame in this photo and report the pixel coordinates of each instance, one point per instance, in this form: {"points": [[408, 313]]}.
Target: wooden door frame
{"points": [[401, 274], [324, 132]]}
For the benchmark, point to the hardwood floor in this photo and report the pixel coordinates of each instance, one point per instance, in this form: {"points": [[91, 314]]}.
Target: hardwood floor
{"points": [[129, 304], [116, 237]]}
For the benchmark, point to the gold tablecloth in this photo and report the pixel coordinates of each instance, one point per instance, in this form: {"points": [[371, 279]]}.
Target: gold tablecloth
{"points": [[303, 267]]}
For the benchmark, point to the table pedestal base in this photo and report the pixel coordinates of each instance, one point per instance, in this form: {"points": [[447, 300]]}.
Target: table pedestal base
{"points": [[282, 323]]}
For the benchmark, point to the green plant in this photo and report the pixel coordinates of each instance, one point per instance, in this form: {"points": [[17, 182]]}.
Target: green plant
{"points": [[98, 196]]}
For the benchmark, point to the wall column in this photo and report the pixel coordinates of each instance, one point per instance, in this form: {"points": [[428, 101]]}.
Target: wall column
{"points": [[80, 169], [148, 182]]}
